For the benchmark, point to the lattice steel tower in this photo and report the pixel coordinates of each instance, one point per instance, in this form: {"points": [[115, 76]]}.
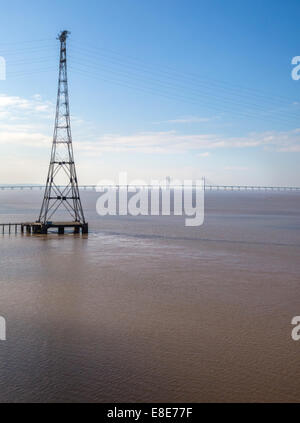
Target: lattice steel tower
{"points": [[62, 187]]}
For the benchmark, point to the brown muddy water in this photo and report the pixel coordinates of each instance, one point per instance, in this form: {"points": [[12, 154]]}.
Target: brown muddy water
{"points": [[145, 309]]}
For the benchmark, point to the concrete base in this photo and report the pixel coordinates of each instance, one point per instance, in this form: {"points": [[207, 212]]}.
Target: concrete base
{"points": [[85, 228], [61, 230], [42, 228]]}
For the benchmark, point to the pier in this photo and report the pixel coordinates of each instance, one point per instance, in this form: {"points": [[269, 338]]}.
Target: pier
{"points": [[10, 227], [42, 229]]}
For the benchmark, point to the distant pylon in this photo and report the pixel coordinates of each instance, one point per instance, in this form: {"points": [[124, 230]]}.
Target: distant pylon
{"points": [[62, 186]]}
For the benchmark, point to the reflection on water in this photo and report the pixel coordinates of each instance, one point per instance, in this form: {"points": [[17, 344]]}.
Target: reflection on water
{"points": [[144, 309]]}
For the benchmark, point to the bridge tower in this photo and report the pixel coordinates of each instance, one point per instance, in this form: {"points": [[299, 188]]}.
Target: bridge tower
{"points": [[62, 192]]}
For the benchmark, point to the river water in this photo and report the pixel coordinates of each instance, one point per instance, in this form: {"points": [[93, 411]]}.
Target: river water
{"points": [[145, 309]]}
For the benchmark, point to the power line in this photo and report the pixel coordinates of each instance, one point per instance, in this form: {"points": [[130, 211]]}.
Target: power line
{"points": [[162, 81], [167, 95], [166, 70], [195, 94], [25, 41], [25, 50], [32, 72], [169, 70]]}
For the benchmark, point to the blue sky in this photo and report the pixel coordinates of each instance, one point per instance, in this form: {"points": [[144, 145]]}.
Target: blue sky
{"points": [[158, 87]]}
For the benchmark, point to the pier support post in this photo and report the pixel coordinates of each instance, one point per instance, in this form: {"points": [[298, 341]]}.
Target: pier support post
{"points": [[85, 228], [61, 230], [44, 230]]}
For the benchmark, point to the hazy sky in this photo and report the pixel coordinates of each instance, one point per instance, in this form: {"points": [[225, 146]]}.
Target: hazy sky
{"points": [[159, 87]]}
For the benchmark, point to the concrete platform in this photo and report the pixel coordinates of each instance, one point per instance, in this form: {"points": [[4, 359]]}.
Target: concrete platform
{"points": [[41, 228]]}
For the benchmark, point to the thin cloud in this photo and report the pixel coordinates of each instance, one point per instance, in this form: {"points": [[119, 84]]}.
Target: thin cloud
{"points": [[206, 154], [15, 106], [172, 142], [21, 138], [189, 119], [236, 168], [18, 127]]}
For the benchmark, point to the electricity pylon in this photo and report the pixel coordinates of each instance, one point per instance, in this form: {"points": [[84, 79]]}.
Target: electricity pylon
{"points": [[62, 187]]}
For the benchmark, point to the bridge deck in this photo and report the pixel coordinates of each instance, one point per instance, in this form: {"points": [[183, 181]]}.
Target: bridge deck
{"points": [[207, 187]]}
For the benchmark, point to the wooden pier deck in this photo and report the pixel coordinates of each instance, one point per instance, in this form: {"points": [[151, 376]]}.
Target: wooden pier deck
{"points": [[41, 228]]}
